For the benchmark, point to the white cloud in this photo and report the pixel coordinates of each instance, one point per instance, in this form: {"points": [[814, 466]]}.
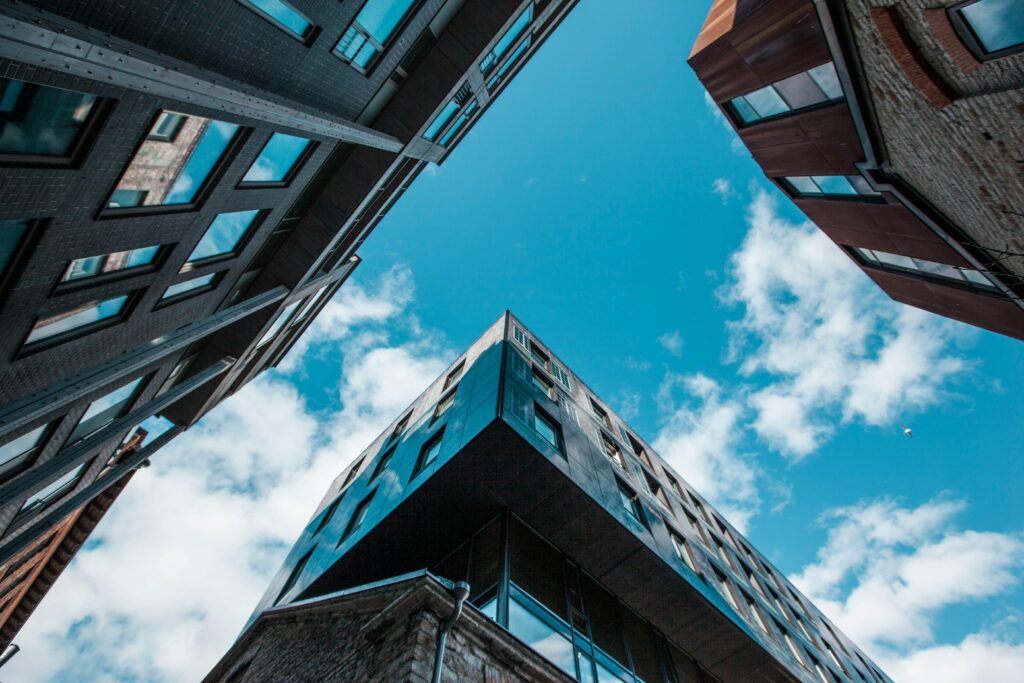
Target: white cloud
{"points": [[826, 345], [672, 342], [724, 189], [886, 573], [168, 579], [700, 437]]}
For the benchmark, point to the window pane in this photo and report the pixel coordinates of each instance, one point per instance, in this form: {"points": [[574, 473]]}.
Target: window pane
{"points": [[188, 286], [800, 91], [103, 411], [39, 120], [173, 172], [548, 642], [43, 496], [11, 233], [442, 118], [86, 314], [521, 22], [860, 184], [940, 269], [284, 14], [107, 263], [459, 122], [224, 234], [803, 184], [745, 111], [13, 450], [834, 184], [999, 24], [767, 102], [827, 79], [281, 320], [977, 278], [431, 453], [546, 429], [897, 260], [380, 17], [277, 159]]}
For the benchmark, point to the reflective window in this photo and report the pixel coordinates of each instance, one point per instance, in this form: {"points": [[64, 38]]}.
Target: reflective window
{"points": [[444, 404], [542, 383], [725, 589], [327, 514], [278, 324], [103, 411], [282, 15], [806, 89], [189, 286], [442, 118], [367, 36], [459, 122], [278, 160], [11, 234], [225, 234], [997, 25], [167, 172], [296, 572], [613, 452], [310, 304], [842, 186], [683, 551], [41, 124], [358, 516], [384, 462], [630, 503], [962, 276], [509, 63], [429, 452], [506, 40], [21, 449], [52, 491], [547, 428], [90, 266], [455, 374], [547, 636], [83, 316]]}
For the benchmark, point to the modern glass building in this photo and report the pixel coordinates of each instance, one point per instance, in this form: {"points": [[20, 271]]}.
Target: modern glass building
{"points": [[575, 537]]}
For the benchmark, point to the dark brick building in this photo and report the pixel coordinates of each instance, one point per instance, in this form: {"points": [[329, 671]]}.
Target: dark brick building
{"points": [[577, 541], [183, 185], [896, 127]]}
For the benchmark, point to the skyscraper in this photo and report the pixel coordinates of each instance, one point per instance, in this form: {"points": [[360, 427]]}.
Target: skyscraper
{"points": [[183, 186], [895, 127], [587, 557]]}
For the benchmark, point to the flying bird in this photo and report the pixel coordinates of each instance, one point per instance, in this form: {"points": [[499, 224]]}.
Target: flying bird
{"points": [[907, 430]]}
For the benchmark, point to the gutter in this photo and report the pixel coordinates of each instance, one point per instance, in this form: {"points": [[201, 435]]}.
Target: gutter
{"points": [[461, 591]]}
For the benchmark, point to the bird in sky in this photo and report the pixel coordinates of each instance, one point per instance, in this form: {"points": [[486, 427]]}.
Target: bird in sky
{"points": [[907, 430]]}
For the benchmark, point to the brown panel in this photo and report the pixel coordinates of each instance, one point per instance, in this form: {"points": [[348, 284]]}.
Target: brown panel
{"points": [[820, 142], [723, 72], [780, 39]]}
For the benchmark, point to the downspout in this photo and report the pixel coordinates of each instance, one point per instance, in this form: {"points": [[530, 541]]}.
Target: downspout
{"points": [[461, 591], [11, 650]]}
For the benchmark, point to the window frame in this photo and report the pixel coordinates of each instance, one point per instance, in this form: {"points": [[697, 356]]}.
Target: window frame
{"points": [[306, 39], [734, 116], [636, 509], [217, 171], [250, 231], [165, 301], [434, 441], [296, 168], [555, 425], [63, 286], [24, 460], [964, 285], [969, 37], [790, 191], [28, 348], [21, 255], [355, 522], [79, 148], [382, 48]]}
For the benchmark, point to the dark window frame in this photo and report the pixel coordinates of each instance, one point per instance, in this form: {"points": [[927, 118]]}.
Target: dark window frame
{"points": [[355, 522], [737, 120], [296, 168], [790, 191], [638, 513], [923, 277], [967, 35], [306, 39], [211, 182], [384, 47], [144, 381], [79, 147], [16, 466], [328, 513], [162, 302], [421, 460], [65, 287], [243, 242], [26, 349], [386, 456], [556, 427], [34, 228]]}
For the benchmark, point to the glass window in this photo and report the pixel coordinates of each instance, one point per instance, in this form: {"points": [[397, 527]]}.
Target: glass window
{"points": [[506, 40], [547, 428], [173, 172], [225, 234], [996, 24], [683, 552], [40, 123], [327, 514], [296, 572], [430, 451], [442, 118], [962, 276], [542, 632], [797, 93], [278, 324], [103, 411], [455, 374], [384, 462], [189, 286], [53, 490], [542, 383], [278, 160], [310, 304], [459, 122], [829, 186], [358, 516], [83, 316], [368, 35], [630, 502], [613, 452], [726, 590], [283, 15], [21, 449], [11, 234], [444, 404], [90, 266], [509, 63]]}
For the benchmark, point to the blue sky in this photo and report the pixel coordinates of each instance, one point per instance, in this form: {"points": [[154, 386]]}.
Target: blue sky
{"points": [[602, 200]]}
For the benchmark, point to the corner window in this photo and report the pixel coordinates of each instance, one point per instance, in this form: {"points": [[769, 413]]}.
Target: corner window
{"points": [[86, 317], [358, 516], [630, 502], [541, 631], [52, 491], [225, 236], [428, 454], [507, 40], [189, 288], [368, 35], [829, 186], [104, 410], [21, 450], [793, 95], [278, 161], [990, 28], [174, 171], [965, 277], [547, 428], [116, 262], [284, 16], [40, 125]]}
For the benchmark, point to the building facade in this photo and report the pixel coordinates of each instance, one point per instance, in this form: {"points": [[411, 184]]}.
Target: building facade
{"points": [[575, 538], [183, 186], [896, 127]]}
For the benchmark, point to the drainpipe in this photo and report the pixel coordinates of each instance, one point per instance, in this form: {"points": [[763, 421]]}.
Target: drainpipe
{"points": [[11, 650], [461, 591]]}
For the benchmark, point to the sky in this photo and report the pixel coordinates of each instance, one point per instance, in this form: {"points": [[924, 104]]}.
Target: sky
{"points": [[604, 202]]}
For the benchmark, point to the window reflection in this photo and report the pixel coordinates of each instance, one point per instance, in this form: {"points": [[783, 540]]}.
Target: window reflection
{"points": [[40, 121], [997, 24], [82, 316], [278, 159], [540, 635]]}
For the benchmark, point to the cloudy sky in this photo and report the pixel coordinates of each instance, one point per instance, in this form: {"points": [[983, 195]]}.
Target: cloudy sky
{"points": [[616, 215]]}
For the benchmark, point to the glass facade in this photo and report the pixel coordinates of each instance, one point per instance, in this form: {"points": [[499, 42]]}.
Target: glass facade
{"points": [[80, 318], [278, 160], [797, 93], [91, 266], [282, 15], [174, 171], [838, 186], [367, 36], [225, 234], [953, 274], [40, 123]]}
